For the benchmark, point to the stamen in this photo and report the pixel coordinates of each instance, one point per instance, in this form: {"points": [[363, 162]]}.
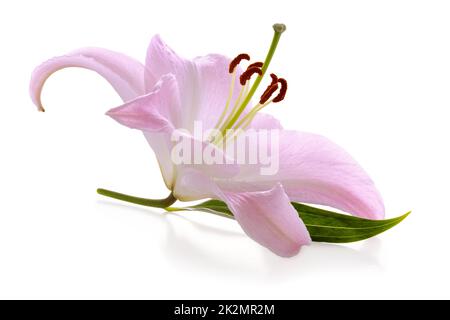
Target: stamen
{"points": [[274, 81], [256, 64], [242, 94], [264, 101], [247, 92], [274, 78], [283, 90], [227, 105], [247, 74], [245, 121], [234, 63], [278, 30], [249, 116], [268, 93], [249, 120]]}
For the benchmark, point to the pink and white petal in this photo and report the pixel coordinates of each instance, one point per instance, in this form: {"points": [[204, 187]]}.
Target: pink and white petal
{"points": [[161, 144], [269, 218], [179, 153], [162, 60], [198, 164], [192, 184], [157, 111], [328, 175], [214, 83], [125, 74], [315, 170], [204, 82], [214, 163]]}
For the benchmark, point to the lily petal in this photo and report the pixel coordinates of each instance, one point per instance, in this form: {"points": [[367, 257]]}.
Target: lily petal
{"points": [[161, 144], [195, 177], [269, 218], [161, 60], [125, 74], [313, 169], [156, 114], [158, 110], [266, 216], [214, 83], [204, 82]]}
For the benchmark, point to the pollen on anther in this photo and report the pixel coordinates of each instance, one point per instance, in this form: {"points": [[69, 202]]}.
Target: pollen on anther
{"points": [[283, 90], [247, 74], [268, 93], [234, 63], [274, 81], [256, 64], [274, 78]]}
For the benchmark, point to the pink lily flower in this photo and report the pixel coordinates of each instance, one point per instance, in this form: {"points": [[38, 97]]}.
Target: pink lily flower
{"points": [[170, 92]]}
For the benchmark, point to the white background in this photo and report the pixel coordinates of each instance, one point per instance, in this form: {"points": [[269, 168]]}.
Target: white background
{"points": [[374, 76]]}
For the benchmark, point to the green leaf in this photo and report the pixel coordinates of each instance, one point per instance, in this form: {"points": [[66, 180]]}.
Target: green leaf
{"points": [[328, 226], [323, 225]]}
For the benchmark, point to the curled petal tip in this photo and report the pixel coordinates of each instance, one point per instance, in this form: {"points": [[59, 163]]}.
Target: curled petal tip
{"points": [[122, 72]]}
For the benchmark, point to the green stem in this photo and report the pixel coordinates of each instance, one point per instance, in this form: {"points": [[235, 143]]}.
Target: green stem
{"points": [[157, 203], [228, 215], [278, 30]]}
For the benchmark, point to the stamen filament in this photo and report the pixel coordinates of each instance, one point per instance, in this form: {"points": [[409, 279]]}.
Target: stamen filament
{"points": [[278, 30], [250, 119], [250, 115], [227, 105], [245, 121], [235, 107]]}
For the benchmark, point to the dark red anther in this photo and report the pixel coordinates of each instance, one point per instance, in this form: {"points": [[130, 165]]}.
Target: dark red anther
{"points": [[247, 74], [256, 64], [274, 81], [268, 93], [274, 78], [283, 90], [237, 60]]}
